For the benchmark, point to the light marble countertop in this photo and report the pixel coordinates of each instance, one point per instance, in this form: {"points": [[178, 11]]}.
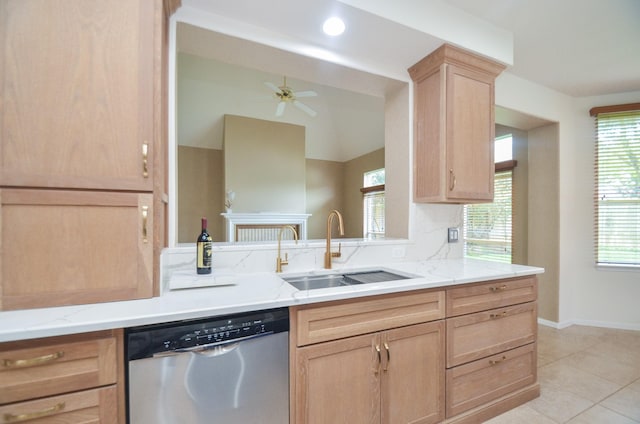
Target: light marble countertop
{"points": [[251, 291]]}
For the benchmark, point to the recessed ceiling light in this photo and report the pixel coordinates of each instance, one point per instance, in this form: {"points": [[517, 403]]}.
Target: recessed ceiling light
{"points": [[333, 26]]}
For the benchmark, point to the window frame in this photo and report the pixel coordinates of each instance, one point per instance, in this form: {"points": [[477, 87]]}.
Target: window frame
{"points": [[598, 198], [366, 192]]}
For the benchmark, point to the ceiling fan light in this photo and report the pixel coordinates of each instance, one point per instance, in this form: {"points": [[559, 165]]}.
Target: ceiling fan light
{"points": [[333, 26]]}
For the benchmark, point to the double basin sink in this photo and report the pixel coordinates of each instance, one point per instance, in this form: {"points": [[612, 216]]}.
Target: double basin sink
{"points": [[310, 282]]}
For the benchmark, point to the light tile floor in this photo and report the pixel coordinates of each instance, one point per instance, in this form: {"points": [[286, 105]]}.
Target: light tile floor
{"points": [[587, 375]]}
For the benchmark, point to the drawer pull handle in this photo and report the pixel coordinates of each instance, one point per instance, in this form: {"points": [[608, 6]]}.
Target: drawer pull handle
{"points": [[497, 289], [14, 418], [452, 180], [386, 347], [500, 315], [145, 160], [145, 215], [497, 361], [32, 362], [379, 359]]}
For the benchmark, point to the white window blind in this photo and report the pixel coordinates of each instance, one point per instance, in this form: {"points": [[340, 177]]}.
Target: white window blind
{"points": [[374, 214], [488, 226], [617, 188]]}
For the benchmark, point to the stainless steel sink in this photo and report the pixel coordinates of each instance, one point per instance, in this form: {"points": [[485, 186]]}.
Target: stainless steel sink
{"points": [[310, 282]]}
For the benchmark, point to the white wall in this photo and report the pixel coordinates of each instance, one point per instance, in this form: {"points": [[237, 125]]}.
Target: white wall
{"points": [[599, 297], [586, 295]]}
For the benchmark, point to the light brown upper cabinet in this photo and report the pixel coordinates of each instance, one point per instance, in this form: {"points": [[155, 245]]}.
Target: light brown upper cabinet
{"points": [[454, 126], [69, 247], [82, 149], [78, 94]]}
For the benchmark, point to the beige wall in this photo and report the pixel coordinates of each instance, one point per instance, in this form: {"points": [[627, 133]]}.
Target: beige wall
{"points": [[327, 188], [544, 216], [264, 164], [324, 193], [200, 176], [352, 197]]}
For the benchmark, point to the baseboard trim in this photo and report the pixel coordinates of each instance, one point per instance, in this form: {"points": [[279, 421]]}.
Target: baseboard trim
{"points": [[589, 323], [553, 324], [606, 324]]}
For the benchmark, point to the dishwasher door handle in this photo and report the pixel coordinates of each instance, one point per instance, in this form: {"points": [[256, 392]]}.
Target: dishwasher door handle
{"points": [[211, 349]]}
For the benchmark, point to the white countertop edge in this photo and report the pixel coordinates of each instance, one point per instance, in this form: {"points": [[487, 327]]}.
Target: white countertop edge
{"points": [[257, 291]]}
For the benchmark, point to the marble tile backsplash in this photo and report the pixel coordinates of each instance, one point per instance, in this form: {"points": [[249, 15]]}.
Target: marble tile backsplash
{"points": [[428, 241]]}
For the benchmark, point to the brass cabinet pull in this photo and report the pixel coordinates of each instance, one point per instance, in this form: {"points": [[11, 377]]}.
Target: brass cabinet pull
{"points": [[497, 361], [14, 418], [496, 289], [500, 315], [452, 180], [145, 160], [379, 358], [145, 215], [32, 362], [386, 346]]}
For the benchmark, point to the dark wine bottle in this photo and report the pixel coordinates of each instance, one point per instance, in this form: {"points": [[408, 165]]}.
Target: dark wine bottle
{"points": [[203, 247]]}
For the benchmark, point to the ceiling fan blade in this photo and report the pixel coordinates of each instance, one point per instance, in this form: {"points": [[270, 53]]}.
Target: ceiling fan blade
{"points": [[305, 108], [272, 86], [280, 108], [309, 93]]}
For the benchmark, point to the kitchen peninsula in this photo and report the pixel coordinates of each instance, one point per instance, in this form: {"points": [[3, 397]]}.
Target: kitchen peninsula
{"points": [[487, 309]]}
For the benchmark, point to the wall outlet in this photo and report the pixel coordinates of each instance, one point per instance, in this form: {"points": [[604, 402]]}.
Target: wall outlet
{"points": [[452, 236]]}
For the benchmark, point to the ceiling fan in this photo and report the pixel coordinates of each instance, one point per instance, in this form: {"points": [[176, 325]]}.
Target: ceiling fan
{"points": [[285, 94]]}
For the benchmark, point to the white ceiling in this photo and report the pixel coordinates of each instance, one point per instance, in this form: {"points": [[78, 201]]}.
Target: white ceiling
{"points": [[576, 47]]}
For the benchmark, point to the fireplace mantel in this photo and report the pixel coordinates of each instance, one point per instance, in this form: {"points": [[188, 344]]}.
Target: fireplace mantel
{"points": [[263, 226]]}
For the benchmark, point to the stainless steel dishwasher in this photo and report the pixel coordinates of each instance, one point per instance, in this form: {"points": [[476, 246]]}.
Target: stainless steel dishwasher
{"points": [[229, 369]]}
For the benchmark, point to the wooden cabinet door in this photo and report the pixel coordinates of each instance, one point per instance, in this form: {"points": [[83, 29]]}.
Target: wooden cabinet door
{"points": [[413, 379], [474, 336], [470, 133], [481, 381], [78, 91], [42, 369], [454, 126], [338, 382], [68, 247], [89, 406], [493, 294]]}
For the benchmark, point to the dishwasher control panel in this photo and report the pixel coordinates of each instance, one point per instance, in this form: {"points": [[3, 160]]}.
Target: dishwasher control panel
{"points": [[150, 340]]}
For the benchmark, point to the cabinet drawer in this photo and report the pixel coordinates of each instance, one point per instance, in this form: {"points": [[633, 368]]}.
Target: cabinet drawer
{"points": [[494, 294], [55, 368], [360, 316], [72, 247], [470, 337], [481, 381], [89, 406]]}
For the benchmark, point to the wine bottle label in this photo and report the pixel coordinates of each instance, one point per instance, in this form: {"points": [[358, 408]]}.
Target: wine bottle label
{"points": [[204, 254]]}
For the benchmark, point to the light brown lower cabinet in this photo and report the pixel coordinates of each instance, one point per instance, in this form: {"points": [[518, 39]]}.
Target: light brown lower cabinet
{"points": [[476, 383], [67, 379], [491, 348], [475, 336], [88, 406], [457, 356], [395, 377]]}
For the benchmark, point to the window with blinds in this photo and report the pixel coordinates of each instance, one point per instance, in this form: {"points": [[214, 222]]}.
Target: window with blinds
{"points": [[374, 214], [617, 186], [488, 226], [373, 204]]}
